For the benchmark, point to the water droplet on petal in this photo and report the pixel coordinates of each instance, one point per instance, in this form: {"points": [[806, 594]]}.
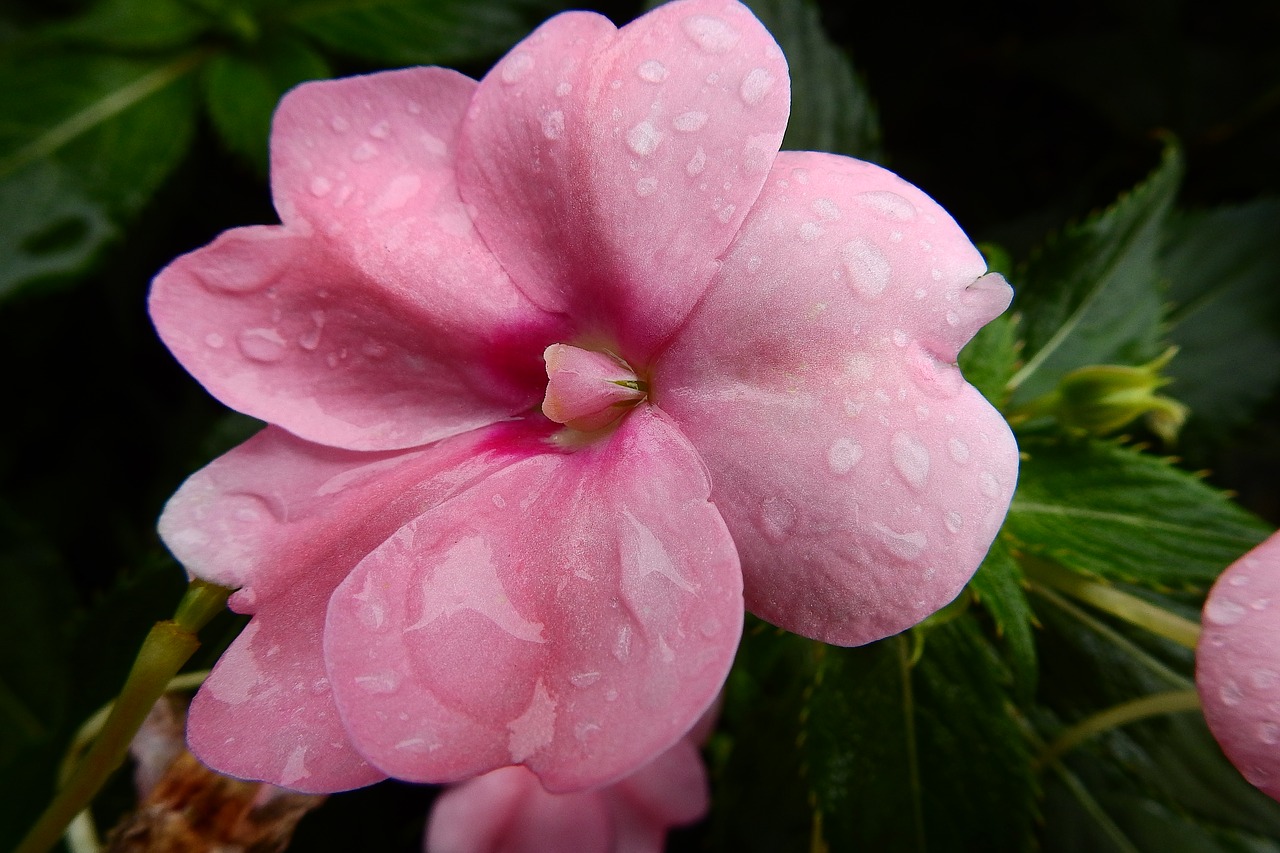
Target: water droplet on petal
{"points": [[900, 338], [563, 89], [710, 33], [697, 162], [843, 454], [264, 345], [364, 152], [989, 485], [646, 187], [1231, 694], [553, 125], [867, 266], [911, 458], [517, 66], [1220, 611], [755, 86], [826, 209], [320, 186], [340, 124], [689, 122], [584, 679], [888, 203], [725, 213], [213, 340], [954, 521], [810, 231], [652, 71], [1264, 679], [622, 645], [310, 340], [906, 546], [643, 139], [959, 450], [381, 130]]}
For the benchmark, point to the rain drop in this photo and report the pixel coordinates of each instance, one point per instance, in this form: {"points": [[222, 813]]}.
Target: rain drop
{"points": [[652, 71], [843, 455], [643, 139], [690, 122], [516, 67], [264, 345], [911, 458], [1222, 612], [755, 86], [711, 34]]}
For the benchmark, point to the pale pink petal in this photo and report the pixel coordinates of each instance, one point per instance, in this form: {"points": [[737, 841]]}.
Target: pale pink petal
{"points": [[286, 521], [575, 612], [609, 171], [863, 480], [508, 811], [375, 318], [1238, 665], [587, 390], [669, 791]]}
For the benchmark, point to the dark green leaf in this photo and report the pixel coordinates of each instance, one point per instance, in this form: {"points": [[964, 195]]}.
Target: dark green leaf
{"points": [[905, 758], [1224, 272], [419, 32], [1092, 295], [84, 142], [831, 109], [132, 25], [997, 585], [244, 88], [990, 359], [1104, 509]]}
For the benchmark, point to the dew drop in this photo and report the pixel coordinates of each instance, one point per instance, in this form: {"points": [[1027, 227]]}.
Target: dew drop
{"points": [[364, 152], [725, 213], [826, 209], [697, 162], [584, 679], [652, 71], [340, 124], [646, 187], [310, 340], [755, 86], [843, 454], [517, 66], [1220, 611], [989, 485], [643, 139], [959, 450], [900, 338], [264, 345], [213, 340], [1264, 679], [954, 521], [1260, 604], [320, 186], [867, 266], [622, 645], [381, 130], [1231, 694], [888, 203], [563, 88], [953, 319], [690, 122], [906, 546], [810, 231], [553, 125], [710, 33], [911, 458], [1269, 733]]}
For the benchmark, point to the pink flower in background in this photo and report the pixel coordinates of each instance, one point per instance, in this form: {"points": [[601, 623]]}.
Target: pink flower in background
{"points": [[1238, 665], [753, 352], [508, 811]]}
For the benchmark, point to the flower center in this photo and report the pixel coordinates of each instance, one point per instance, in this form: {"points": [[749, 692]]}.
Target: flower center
{"points": [[588, 390]]}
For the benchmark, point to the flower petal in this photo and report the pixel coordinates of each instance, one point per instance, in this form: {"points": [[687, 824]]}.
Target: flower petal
{"points": [[375, 318], [610, 170], [575, 613], [1238, 665], [863, 480], [507, 810], [286, 521]]}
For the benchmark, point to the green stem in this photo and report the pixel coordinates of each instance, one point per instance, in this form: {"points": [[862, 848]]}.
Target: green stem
{"points": [[166, 648], [1157, 704], [1130, 608]]}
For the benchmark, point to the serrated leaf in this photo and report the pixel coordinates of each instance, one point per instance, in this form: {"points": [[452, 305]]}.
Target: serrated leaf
{"points": [[1224, 272], [907, 758], [997, 585], [132, 25], [990, 359], [95, 135], [1093, 294], [243, 88], [419, 32], [831, 108], [1104, 509]]}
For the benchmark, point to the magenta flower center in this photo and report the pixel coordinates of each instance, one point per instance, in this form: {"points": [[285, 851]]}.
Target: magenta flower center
{"points": [[588, 390]]}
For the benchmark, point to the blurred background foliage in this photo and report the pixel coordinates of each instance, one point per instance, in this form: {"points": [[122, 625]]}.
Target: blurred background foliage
{"points": [[132, 131]]}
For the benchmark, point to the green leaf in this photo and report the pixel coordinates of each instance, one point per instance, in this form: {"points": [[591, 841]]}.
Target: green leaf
{"points": [[242, 90], [831, 108], [905, 758], [1092, 295], [1224, 271], [997, 585], [85, 140], [1165, 763], [990, 359], [1103, 509], [132, 25], [419, 32]]}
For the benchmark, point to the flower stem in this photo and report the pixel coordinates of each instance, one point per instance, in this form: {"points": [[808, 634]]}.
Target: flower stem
{"points": [[1130, 608], [166, 648], [1157, 704]]}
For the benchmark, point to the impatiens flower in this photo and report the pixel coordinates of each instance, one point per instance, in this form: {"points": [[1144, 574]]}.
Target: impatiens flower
{"points": [[559, 368], [1238, 665], [508, 811]]}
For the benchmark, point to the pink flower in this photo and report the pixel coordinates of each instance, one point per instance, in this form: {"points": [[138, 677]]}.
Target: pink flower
{"points": [[1238, 665], [443, 580], [508, 811]]}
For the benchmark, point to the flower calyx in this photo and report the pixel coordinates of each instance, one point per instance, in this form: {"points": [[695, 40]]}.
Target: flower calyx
{"points": [[588, 390]]}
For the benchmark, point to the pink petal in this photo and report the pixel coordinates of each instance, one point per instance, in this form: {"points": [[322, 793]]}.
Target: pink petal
{"points": [[1238, 665], [575, 613], [287, 520], [610, 170], [375, 318], [863, 480], [669, 791], [508, 811]]}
